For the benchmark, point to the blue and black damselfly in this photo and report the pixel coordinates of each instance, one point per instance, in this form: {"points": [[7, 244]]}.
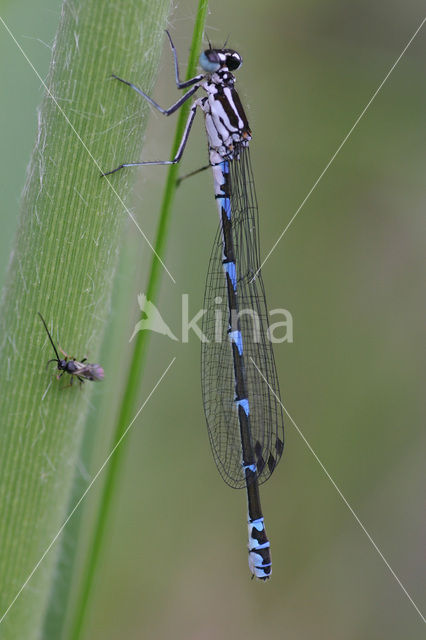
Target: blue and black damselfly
{"points": [[81, 369], [243, 412]]}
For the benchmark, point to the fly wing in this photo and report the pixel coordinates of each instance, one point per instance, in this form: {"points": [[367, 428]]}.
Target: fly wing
{"points": [[266, 415], [89, 371]]}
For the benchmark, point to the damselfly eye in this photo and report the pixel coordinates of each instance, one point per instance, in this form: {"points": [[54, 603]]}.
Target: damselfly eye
{"points": [[210, 60], [233, 60]]}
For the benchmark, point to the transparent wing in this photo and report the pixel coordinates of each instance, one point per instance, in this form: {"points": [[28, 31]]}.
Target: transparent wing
{"points": [[218, 385], [88, 371]]}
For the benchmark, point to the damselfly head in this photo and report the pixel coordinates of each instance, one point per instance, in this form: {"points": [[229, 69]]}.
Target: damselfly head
{"points": [[212, 60]]}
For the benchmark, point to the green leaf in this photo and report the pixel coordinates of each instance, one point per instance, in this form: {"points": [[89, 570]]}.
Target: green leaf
{"points": [[63, 265]]}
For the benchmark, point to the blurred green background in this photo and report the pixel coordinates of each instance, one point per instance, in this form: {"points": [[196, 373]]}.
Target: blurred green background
{"points": [[351, 270]]}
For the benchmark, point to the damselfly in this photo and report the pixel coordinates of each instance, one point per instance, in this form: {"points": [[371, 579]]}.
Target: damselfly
{"points": [[81, 369], [239, 380]]}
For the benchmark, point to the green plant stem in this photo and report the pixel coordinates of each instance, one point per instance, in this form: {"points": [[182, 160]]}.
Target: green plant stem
{"points": [[134, 377]]}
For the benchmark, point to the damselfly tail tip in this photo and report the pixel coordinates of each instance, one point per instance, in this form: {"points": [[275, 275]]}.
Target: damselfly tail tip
{"points": [[259, 557], [260, 569]]}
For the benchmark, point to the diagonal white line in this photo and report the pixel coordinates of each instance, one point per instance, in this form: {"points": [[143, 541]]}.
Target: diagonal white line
{"points": [[129, 213], [341, 495], [70, 515], [333, 157]]}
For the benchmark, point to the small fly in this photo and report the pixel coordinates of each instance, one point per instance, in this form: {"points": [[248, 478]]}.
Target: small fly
{"points": [[83, 370]]}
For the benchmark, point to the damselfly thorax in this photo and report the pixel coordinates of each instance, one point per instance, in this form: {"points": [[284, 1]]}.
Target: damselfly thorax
{"points": [[226, 122]]}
